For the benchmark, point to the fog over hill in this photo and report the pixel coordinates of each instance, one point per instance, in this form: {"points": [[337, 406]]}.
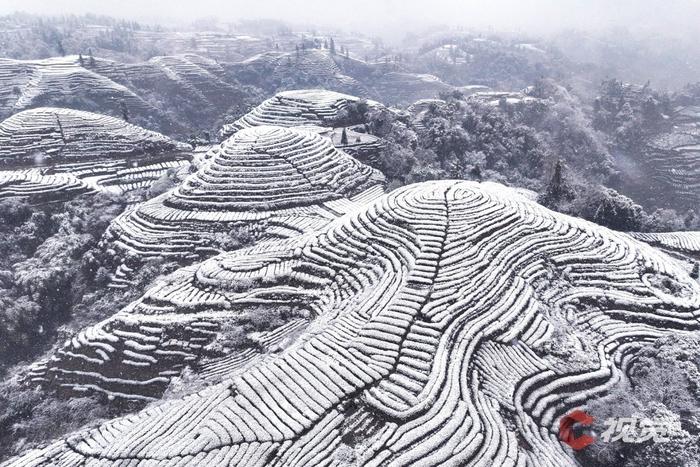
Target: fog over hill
{"points": [[378, 233], [392, 17]]}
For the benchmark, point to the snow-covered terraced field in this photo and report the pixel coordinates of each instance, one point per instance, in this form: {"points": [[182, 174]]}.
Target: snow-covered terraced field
{"points": [[49, 135], [220, 45], [276, 182], [404, 88], [36, 183], [673, 161], [299, 108], [198, 82], [65, 152], [55, 81], [65, 181], [273, 70], [687, 243], [433, 312], [170, 94], [318, 110]]}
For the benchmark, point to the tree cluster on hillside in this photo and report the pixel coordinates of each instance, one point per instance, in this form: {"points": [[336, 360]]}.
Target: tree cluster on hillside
{"points": [[30, 417], [492, 61], [570, 194], [465, 138], [663, 387], [545, 142], [629, 113], [558, 116], [53, 271], [29, 36], [460, 139], [53, 282]]}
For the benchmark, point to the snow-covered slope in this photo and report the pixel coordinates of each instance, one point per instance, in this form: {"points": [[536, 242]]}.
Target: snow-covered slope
{"points": [[172, 94], [672, 159], [687, 243], [324, 112], [284, 70], [451, 323], [59, 81], [399, 87], [300, 108], [276, 182], [55, 153], [40, 184], [49, 135]]}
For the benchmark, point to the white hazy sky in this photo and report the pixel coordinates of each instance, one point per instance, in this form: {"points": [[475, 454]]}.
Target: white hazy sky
{"points": [[377, 16]]}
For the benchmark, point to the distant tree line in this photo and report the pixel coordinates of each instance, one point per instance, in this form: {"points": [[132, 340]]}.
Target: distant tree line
{"points": [[546, 144]]}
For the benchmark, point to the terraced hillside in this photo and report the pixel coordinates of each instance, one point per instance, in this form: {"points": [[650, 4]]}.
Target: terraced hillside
{"points": [[672, 160], [65, 181], [54, 153], [40, 184], [218, 45], [63, 82], [275, 71], [325, 112], [685, 243], [25, 36], [301, 108], [272, 181], [197, 90], [174, 95], [452, 323], [397, 87], [48, 135]]}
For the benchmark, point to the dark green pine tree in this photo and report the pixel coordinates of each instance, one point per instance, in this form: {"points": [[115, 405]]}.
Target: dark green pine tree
{"points": [[344, 137], [476, 173], [332, 46], [555, 189], [125, 111], [59, 46]]}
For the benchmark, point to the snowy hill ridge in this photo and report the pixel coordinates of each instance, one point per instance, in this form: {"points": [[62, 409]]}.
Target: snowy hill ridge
{"points": [[434, 311], [305, 107], [277, 181], [49, 135]]}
